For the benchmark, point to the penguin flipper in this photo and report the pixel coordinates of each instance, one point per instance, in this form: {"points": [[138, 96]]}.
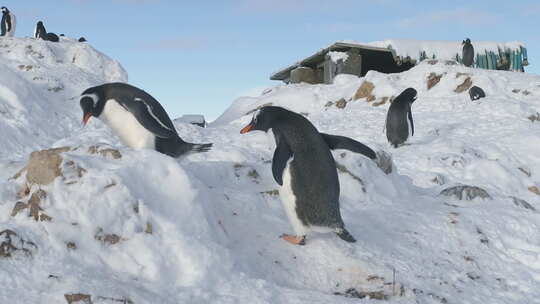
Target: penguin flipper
{"points": [[411, 120], [281, 155], [342, 142], [145, 115]]}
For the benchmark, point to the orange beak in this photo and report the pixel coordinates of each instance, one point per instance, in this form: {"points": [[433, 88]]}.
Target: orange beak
{"points": [[86, 117], [246, 128]]}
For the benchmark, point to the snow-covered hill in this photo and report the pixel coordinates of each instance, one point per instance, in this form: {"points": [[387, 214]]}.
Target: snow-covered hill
{"points": [[124, 226], [37, 82]]}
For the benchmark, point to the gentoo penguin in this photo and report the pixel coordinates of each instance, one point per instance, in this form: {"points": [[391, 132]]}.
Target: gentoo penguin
{"points": [[41, 33], [467, 53], [476, 93], [305, 169], [136, 117], [8, 23], [397, 128]]}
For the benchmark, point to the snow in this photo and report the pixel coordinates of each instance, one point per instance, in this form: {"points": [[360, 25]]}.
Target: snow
{"points": [[337, 56], [191, 118], [444, 50], [214, 216]]}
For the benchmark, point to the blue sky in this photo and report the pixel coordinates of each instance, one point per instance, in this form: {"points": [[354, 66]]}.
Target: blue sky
{"points": [[198, 56]]}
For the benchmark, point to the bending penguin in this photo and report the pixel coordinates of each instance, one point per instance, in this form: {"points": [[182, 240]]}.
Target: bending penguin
{"points": [[467, 53], [476, 93], [397, 128], [306, 171], [8, 23], [41, 33], [136, 117]]}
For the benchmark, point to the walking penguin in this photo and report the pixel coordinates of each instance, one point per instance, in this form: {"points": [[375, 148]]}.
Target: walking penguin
{"points": [[306, 171]]}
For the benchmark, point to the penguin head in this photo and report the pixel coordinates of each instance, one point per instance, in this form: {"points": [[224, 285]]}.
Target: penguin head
{"points": [[466, 41], [5, 10], [262, 120], [92, 104], [409, 95]]}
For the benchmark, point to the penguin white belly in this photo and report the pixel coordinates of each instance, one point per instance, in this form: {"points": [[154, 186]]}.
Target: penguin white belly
{"points": [[126, 126], [288, 199]]}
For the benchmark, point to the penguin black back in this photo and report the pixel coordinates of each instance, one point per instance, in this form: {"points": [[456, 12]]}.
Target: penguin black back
{"points": [[144, 114], [467, 53], [397, 127], [476, 93]]}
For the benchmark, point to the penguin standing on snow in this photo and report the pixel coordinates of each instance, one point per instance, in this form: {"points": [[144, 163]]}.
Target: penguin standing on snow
{"points": [[136, 117], [467, 53], [397, 128], [476, 93], [8, 23], [41, 33], [304, 167]]}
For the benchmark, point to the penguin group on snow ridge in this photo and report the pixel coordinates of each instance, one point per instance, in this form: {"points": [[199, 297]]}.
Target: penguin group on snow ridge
{"points": [[8, 23]]}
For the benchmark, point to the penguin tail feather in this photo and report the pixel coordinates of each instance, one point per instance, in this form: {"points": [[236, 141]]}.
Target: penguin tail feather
{"points": [[201, 147], [345, 235]]}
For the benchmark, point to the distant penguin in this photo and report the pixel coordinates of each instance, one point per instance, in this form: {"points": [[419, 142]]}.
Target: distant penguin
{"points": [[136, 117], [467, 53], [82, 39], [397, 128], [41, 33], [306, 171], [8, 23], [476, 93]]}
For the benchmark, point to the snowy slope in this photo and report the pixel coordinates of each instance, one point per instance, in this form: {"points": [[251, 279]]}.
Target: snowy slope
{"points": [[204, 229], [37, 82]]}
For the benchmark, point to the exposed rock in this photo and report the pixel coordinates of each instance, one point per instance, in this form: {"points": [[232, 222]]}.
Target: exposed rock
{"points": [[107, 152], [433, 80], [467, 83], [525, 171], [33, 205], [44, 166], [439, 179], [353, 293], [522, 203], [329, 104], [534, 117], [122, 300], [525, 92], [11, 243], [71, 245], [384, 161], [110, 239], [78, 298], [466, 192], [273, 192], [534, 190], [365, 91], [433, 61], [340, 104]]}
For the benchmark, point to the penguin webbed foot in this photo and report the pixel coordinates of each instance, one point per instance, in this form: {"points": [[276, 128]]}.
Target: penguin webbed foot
{"points": [[293, 239]]}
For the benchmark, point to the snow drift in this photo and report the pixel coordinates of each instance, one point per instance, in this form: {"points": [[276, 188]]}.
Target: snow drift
{"points": [[140, 227]]}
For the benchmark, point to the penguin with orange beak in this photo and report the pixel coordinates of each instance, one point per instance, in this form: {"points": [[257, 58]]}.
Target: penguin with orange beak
{"points": [[306, 171], [136, 117]]}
